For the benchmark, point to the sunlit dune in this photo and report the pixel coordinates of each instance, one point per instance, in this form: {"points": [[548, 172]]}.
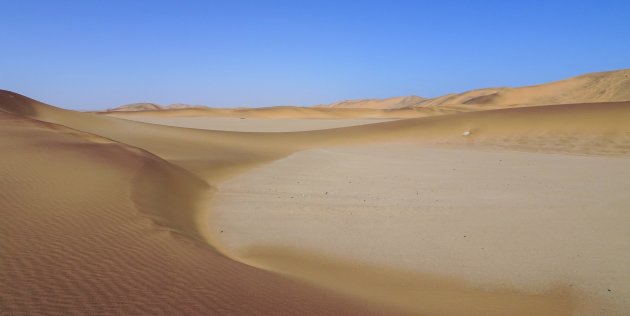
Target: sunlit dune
{"points": [[424, 211]]}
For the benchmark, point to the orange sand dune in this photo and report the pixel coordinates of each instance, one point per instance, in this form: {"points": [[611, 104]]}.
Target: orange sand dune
{"points": [[101, 209]]}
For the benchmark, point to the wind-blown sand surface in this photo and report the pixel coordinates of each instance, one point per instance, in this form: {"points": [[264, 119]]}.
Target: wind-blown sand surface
{"points": [[124, 225]]}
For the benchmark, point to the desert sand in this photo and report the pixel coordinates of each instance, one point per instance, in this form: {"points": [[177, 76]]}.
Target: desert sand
{"points": [[95, 227], [108, 215], [544, 224]]}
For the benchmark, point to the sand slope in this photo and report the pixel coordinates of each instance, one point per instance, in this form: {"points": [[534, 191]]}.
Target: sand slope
{"points": [[93, 227]]}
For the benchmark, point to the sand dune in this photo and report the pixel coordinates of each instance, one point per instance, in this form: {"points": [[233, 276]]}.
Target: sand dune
{"points": [[588, 88], [610, 86], [388, 103], [593, 87], [94, 227], [147, 186], [152, 107]]}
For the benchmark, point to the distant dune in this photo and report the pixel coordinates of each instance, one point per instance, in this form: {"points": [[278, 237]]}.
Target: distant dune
{"points": [[595, 87], [152, 107], [389, 103], [589, 88]]}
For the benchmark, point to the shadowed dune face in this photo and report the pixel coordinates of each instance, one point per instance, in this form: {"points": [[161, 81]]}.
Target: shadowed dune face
{"points": [[132, 207], [14, 103]]}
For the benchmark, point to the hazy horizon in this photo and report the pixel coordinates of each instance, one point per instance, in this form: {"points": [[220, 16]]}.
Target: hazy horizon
{"points": [[93, 55]]}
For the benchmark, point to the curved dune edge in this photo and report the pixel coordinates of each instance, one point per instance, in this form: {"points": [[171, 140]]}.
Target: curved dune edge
{"points": [[77, 239], [420, 294], [534, 222], [235, 152]]}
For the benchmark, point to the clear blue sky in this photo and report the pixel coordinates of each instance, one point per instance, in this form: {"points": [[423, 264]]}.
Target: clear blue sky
{"points": [[99, 54]]}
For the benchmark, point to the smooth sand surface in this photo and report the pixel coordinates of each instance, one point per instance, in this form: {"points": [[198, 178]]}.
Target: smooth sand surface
{"points": [[106, 215], [529, 221], [251, 124]]}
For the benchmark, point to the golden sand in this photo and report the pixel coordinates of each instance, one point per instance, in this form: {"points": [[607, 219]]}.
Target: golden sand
{"points": [[107, 215]]}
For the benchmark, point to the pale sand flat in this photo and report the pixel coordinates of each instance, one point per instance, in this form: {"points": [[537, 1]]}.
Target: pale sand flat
{"points": [[528, 221], [250, 124]]}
